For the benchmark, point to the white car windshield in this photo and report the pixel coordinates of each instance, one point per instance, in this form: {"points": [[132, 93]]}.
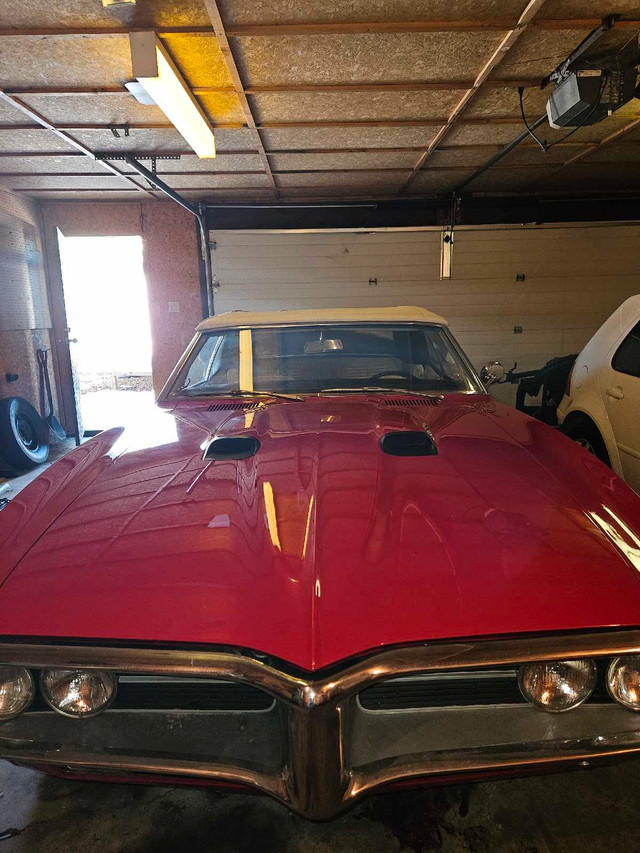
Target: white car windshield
{"points": [[312, 359]]}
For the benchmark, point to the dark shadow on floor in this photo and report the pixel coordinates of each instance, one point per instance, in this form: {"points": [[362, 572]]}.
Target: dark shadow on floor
{"points": [[588, 811]]}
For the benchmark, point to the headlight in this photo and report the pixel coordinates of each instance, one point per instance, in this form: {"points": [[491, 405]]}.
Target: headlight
{"points": [[557, 685], [16, 691], [76, 693], [623, 681]]}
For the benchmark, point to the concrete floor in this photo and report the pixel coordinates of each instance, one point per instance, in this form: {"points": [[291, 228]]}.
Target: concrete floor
{"points": [[591, 811], [595, 811]]}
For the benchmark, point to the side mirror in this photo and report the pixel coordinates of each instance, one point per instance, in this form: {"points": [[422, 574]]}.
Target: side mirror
{"points": [[492, 372]]}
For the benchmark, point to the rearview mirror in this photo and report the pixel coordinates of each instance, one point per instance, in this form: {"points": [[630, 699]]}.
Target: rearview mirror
{"points": [[492, 372], [328, 345]]}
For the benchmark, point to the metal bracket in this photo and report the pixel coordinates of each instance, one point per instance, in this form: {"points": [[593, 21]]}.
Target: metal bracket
{"points": [[116, 128], [562, 70], [109, 156]]}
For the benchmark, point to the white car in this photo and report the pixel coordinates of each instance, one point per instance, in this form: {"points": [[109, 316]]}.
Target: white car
{"points": [[601, 406]]}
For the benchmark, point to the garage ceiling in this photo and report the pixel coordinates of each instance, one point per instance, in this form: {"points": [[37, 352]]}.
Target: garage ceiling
{"points": [[309, 100]]}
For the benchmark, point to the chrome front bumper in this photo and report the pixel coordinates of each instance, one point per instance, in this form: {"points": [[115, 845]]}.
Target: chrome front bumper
{"points": [[317, 749]]}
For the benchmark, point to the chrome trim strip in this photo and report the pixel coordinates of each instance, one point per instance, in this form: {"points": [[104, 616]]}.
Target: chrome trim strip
{"points": [[582, 750], [310, 692], [316, 781], [58, 755]]}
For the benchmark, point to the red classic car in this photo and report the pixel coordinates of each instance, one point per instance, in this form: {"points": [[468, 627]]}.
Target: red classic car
{"points": [[331, 564]]}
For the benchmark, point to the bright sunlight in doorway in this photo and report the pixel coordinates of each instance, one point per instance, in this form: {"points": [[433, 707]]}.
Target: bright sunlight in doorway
{"points": [[105, 295]]}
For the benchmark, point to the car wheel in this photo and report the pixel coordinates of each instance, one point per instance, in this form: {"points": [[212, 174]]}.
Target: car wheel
{"points": [[24, 436], [586, 434]]}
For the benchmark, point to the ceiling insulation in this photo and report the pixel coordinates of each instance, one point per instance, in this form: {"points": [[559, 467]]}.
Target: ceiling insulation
{"points": [[303, 137]]}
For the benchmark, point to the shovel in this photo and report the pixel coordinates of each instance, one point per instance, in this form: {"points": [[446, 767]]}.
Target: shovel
{"points": [[45, 389]]}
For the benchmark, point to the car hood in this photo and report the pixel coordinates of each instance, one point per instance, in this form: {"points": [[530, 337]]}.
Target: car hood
{"points": [[322, 546]]}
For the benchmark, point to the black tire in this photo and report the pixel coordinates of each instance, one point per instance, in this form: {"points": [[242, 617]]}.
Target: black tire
{"points": [[24, 435], [586, 433]]}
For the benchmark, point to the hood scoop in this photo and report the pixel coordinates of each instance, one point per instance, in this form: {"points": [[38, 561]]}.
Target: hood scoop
{"points": [[413, 402], [408, 443], [232, 447]]}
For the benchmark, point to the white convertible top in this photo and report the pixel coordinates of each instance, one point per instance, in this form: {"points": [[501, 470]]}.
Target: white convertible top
{"points": [[400, 314]]}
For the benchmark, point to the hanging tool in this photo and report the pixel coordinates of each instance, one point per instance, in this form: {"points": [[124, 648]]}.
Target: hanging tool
{"points": [[45, 390]]}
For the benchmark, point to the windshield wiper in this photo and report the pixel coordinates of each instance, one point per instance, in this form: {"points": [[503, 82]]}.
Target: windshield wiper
{"points": [[275, 394], [376, 389]]}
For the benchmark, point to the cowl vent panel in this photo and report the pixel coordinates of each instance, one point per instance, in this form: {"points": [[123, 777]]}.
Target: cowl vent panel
{"points": [[233, 407], [414, 402]]}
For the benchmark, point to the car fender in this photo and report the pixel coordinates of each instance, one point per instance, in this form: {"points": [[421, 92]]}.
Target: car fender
{"points": [[588, 402], [585, 397]]}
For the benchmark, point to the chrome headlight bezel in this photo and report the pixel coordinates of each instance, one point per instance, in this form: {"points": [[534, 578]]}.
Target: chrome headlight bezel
{"points": [[586, 689], [614, 669], [46, 695], [22, 672]]}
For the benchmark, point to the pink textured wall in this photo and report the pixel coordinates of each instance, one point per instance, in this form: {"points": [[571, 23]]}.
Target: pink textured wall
{"points": [[170, 261]]}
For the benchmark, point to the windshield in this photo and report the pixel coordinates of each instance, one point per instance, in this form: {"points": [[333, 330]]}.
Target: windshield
{"points": [[312, 359]]}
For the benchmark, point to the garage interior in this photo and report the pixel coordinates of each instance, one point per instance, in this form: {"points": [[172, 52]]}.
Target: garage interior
{"points": [[364, 158]]}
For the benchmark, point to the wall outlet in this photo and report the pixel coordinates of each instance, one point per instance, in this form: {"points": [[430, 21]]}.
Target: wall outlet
{"points": [[174, 308]]}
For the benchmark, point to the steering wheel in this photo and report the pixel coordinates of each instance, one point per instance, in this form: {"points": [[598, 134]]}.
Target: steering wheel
{"points": [[402, 374]]}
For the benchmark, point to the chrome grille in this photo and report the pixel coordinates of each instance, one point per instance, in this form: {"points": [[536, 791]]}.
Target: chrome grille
{"points": [[457, 689], [317, 748], [158, 693]]}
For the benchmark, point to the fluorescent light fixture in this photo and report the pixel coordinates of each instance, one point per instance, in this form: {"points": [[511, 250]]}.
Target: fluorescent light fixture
{"points": [[157, 73], [140, 93], [110, 3]]}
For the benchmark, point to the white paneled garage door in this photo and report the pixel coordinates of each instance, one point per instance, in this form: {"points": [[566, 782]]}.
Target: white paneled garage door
{"points": [[573, 278]]}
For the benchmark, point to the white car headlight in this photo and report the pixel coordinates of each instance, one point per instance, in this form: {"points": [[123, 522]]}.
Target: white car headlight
{"points": [[78, 693], [557, 685], [16, 691], [623, 681]]}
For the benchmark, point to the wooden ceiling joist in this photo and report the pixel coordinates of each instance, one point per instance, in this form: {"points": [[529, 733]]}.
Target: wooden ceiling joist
{"points": [[408, 86], [531, 9], [275, 152], [160, 173], [229, 59], [7, 176], [139, 155], [328, 88], [338, 28], [468, 26], [119, 126], [398, 172], [437, 121]]}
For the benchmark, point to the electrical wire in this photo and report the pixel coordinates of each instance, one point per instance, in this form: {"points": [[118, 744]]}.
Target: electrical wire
{"points": [[542, 145]]}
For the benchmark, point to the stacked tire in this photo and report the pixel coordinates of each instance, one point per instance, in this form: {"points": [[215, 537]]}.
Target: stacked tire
{"points": [[24, 436]]}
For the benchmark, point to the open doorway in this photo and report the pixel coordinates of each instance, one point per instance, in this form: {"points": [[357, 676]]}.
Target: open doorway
{"points": [[105, 297]]}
